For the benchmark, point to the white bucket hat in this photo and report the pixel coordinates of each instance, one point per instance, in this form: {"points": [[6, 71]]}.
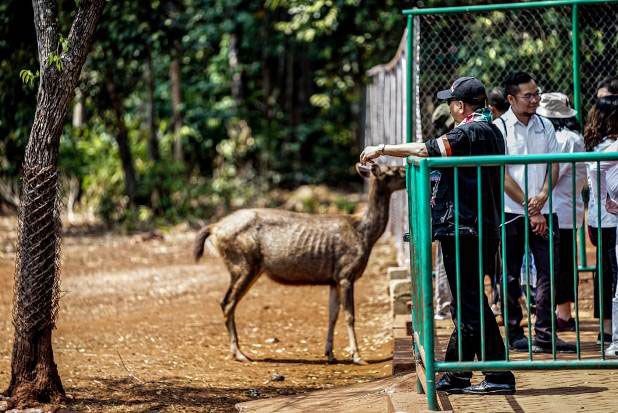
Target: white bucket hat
{"points": [[555, 105]]}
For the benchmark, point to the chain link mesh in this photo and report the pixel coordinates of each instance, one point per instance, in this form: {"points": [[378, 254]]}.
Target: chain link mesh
{"points": [[37, 288], [490, 45], [599, 48]]}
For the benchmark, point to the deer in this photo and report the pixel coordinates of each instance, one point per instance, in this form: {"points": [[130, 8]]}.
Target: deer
{"points": [[295, 248]]}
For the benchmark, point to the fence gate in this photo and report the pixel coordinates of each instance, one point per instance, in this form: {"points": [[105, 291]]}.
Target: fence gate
{"points": [[568, 46]]}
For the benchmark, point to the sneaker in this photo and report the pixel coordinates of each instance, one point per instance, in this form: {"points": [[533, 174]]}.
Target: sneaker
{"points": [[608, 338], [561, 347], [452, 384], [565, 325], [486, 387], [519, 343], [612, 350]]}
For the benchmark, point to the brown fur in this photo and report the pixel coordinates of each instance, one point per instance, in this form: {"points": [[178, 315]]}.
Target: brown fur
{"points": [[302, 249]]}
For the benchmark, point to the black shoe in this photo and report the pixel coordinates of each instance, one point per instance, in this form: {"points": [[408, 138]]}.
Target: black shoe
{"points": [[486, 387], [565, 325], [519, 343], [452, 384], [608, 338], [561, 347]]}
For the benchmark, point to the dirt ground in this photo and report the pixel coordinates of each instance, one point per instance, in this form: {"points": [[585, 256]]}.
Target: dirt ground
{"points": [[140, 327]]}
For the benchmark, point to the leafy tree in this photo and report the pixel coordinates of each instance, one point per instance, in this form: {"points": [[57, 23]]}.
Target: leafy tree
{"points": [[34, 375]]}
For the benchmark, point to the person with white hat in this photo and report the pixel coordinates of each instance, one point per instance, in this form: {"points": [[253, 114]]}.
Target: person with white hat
{"points": [[556, 108]]}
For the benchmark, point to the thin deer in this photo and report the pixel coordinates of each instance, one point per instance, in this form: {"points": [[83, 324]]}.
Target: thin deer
{"points": [[302, 249]]}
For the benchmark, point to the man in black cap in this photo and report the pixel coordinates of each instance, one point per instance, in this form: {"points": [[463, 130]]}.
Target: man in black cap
{"points": [[474, 134]]}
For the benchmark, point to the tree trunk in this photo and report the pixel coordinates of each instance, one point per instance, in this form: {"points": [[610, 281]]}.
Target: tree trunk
{"points": [[176, 99], [151, 128], [78, 110], [122, 138], [234, 64], [266, 73], [34, 375]]}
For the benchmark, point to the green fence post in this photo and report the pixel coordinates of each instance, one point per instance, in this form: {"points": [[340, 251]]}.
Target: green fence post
{"points": [[577, 102], [574, 246], [425, 250]]}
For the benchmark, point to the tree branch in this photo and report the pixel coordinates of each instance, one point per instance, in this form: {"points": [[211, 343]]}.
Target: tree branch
{"points": [[46, 25], [81, 33]]}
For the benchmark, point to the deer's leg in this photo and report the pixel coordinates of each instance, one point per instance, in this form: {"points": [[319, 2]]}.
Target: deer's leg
{"points": [[346, 289], [239, 285], [333, 313]]}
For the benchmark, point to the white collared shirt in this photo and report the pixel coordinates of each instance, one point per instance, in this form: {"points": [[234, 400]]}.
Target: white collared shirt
{"points": [[537, 137], [562, 201], [609, 186]]}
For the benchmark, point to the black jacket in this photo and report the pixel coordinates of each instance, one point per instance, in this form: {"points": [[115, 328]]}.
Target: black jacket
{"points": [[468, 139]]}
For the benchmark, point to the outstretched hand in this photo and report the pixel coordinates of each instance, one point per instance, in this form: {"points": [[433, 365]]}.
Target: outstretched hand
{"points": [[369, 153]]}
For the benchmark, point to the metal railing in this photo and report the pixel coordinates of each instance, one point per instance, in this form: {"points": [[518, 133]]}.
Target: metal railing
{"points": [[418, 186], [443, 59]]}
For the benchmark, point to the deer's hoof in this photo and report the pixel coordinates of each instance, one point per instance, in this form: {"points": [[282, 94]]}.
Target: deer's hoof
{"points": [[359, 361], [241, 357]]}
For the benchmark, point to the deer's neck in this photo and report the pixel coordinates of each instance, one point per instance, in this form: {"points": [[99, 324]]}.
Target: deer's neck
{"points": [[373, 222]]}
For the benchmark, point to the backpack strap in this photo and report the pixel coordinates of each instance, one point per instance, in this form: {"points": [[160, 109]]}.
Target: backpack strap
{"points": [[504, 125]]}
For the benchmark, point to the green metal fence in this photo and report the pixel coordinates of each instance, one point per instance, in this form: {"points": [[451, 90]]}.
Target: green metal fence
{"points": [[569, 45], [418, 183]]}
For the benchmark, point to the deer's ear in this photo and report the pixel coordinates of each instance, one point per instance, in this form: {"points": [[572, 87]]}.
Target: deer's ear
{"points": [[376, 170], [363, 170]]}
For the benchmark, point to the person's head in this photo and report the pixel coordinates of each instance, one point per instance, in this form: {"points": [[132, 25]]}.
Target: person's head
{"points": [[602, 122], [496, 100], [607, 86], [442, 120], [522, 93], [465, 95], [557, 108]]}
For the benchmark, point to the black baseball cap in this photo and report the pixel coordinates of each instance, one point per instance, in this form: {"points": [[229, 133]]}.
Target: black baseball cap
{"points": [[468, 89]]}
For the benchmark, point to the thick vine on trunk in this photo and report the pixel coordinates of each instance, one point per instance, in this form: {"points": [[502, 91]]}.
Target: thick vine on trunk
{"points": [[34, 375]]}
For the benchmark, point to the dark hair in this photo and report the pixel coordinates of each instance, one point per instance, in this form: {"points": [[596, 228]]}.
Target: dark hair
{"points": [[564, 123], [512, 82], [497, 99], [602, 122], [610, 83]]}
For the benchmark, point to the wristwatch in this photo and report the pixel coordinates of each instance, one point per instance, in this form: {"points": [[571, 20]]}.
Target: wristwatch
{"points": [[381, 148]]}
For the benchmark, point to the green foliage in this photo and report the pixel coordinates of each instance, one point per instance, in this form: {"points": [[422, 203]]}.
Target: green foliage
{"points": [[28, 77], [271, 92], [56, 60]]}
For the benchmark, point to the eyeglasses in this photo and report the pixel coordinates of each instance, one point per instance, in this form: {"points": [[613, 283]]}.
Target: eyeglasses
{"points": [[528, 97]]}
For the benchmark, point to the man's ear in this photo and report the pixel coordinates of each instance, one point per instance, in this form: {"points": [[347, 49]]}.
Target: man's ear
{"points": [[363, 170], [511, 99]]}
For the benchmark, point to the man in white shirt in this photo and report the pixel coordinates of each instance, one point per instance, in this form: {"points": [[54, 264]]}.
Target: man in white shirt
{"points": [[527, 133]]}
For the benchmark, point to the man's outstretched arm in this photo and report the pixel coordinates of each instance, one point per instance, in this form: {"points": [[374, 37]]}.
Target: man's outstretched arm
{"points": [[401, 150]]}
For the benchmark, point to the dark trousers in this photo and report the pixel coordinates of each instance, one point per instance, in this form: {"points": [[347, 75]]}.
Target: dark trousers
{"points": [[608, 257], [565, 292], [515, 249], [470, 308]]}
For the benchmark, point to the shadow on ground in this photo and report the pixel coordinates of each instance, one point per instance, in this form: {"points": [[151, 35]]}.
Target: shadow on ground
{"points": [[313, 361], [171, 394]]}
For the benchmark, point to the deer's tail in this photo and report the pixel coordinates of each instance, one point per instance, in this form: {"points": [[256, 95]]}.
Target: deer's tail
{"points": [[200, 240]]}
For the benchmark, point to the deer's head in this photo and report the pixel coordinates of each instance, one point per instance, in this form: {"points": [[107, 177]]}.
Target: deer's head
{"points": [[385, 177]]}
